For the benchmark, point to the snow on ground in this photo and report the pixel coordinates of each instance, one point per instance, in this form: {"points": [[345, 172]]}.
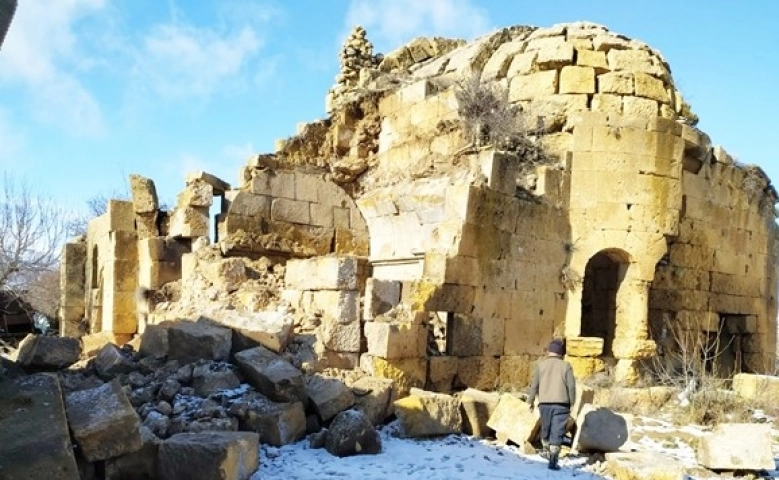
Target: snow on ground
{"points": [[449, 458], [458, 457]]}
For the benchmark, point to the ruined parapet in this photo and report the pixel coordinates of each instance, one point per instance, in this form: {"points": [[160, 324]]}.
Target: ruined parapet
{"points": [[357, 63], [146, 206], [73, 288]]}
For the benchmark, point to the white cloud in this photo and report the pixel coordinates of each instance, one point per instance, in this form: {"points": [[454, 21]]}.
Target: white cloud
{"points": [[392, 23], [42, 52]]}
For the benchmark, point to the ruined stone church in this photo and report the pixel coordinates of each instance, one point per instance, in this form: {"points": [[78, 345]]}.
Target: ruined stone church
{"points": [[399, 237]]}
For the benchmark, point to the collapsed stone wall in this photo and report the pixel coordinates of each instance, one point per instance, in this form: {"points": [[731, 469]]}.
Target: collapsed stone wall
{"points": [[467, 260]]}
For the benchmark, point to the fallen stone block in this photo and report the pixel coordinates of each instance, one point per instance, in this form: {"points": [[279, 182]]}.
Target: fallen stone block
{"points": [[428, 414], [277, 423], [351, 433], [154, 341], [513, 420], [192, 341], [756, 387], [329, 396], [407, 373], [92, 343], [103, 422], [271, 375], [374, 397], [600, 430], [394, 341], [138, 465], [45, 352], [323, 273], [212, 377], [227, 274], [209, 456], [144, 194], [272, 330], [644, 466], [112, 361], [584, 395], [477, 407], [737, 446], [36, 443]]}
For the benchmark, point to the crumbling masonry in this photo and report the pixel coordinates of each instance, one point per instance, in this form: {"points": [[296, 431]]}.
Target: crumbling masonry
{"points": [[380, 238]]}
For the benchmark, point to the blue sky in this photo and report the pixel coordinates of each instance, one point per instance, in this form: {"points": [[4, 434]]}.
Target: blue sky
{"points": [[93, 90]]}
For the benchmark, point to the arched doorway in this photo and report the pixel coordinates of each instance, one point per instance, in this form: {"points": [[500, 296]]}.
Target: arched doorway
{"points": [[603, 277]]}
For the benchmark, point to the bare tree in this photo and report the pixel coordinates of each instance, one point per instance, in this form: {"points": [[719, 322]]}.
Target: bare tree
{"points": [[96, 206], [32, 229]]}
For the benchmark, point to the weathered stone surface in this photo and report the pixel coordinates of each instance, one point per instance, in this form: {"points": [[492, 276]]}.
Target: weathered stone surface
{"points": [[192, 341], [92, 344], [272, 376], [328, 396], [211, 377], [144, 194], [406, 372], [103, 422], [209, 456], [197, 193], [227, 274], [577, 80], [45, 352], [380, 296], [477, 408], [374, 397], [277, 423], [600, 430], [138, 465], [189, 222], [737, 446], [756, 387], [428, 414], [394, 341], [272, 330], [36, 443], [112, 361], [154, 341], [584, 346], [323, 273], [513, 420], [351, 433], [644, 466]]}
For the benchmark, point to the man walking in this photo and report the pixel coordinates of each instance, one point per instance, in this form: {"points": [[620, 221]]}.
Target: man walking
{"points": [[555, 387]]}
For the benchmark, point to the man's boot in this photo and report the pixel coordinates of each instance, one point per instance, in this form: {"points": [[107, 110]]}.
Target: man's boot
{"points": [[554, 456]]}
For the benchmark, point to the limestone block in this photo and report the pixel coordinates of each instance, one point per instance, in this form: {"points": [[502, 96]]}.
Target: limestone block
{"points": [[633, 60], [351, 242], [321, 215], [472, 337], [341, 218], [351, 433], [639, 107], [209, 455], [248, 204], [324, 273], [545, 43], [584, 395], [218, 186], [278, 184], [644, 466], [192, 341], [341, 337], [500, 169], [516, 370], [441, 373], [380, 296], [342, 306], [584, 346], [558, 56], [120, 216], [607, 103], [528, 87], [405, 372], [306, 186], [424, 296], [46, 352], [154, 341], [584, 367], [512, 419], [144, 194], [621, 83], [271, 375], [396, 341], [477, 407], [374, 397], [93, 342], [103, 422], [292, 211], [737, 446], [577, 80], [210, 378], [650, 87], [189, 222], [498, 64], [522, 64], [111, 361], [416, 92], [36, 442], [756, 387], [328, 396], [197, 193], [606, 41], [277, 423], [593, 59], [600, 430], [428, 414], [481, 373], [136, 465], [339, 360]]}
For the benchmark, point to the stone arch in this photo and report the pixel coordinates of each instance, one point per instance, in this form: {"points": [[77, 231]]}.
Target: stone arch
{"points": [[604, 275]]}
